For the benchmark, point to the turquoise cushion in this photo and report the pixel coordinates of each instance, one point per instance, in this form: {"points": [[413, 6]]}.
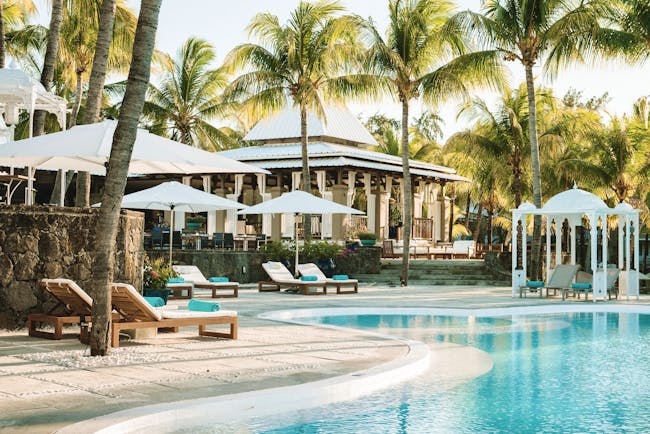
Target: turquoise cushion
{"points": [[581, 286], [534, 284], [175, 280], [309, 278], [203, 306], [155, 301], [218, 279], [340, 277]]}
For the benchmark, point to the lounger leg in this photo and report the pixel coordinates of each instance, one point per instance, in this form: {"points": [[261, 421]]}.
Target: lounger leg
{"points": [[115, 335]]}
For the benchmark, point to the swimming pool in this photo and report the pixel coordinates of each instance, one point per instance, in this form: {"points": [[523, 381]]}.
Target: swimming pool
{"points": [[568, 372]]}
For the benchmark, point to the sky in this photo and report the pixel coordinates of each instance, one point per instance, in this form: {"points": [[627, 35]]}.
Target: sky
{"points": [[223, 24]]}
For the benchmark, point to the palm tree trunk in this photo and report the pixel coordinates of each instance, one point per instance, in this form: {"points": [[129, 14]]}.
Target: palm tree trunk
{"points": [[306, 178], [477, 226], [537, 180], [516, 176], [408, 194], [76, 105], [96, 87], [3, 54], [451, 213], [489, 223], [49, 62], [123, 140], [468, 206]]}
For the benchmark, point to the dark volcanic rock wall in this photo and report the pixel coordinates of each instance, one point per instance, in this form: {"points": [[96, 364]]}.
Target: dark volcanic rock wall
{"points": [[40, 241]]}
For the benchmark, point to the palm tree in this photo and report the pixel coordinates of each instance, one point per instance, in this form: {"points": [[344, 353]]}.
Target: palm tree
{"points": [[423, 56], [300, 61], [13, 15], [527, 31], [49, 62], [78, 37], [123, 140], [423, 136], [188, 97], [96, 86]]}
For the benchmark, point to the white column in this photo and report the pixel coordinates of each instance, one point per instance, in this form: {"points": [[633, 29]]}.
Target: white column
{"points": [[597, 283], [621, 226], [231, 214], [267, 219], [573, 224], [605, 243], [211, 224], [635, 277], [370, 201], [548, 246], [326, 224], [389, 192], [352, 180], [288, 220], [558, 242], [524, 261], [29, 197], [179, 216]]}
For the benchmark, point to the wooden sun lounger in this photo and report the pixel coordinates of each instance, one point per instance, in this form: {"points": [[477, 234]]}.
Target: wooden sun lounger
{"points": [[136, 313], [192, 274], [311, 269], [76, 304], [282, 278]]}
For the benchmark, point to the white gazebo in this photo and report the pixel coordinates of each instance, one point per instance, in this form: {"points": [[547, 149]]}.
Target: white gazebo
{"points": [[571, 206], [19, 91]]}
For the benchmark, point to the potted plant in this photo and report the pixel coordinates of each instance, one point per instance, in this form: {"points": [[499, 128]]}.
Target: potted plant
{"points": [[194, 222], [155, 277], [367, 238]]}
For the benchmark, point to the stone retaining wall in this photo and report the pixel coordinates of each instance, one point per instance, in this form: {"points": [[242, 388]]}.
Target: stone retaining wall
{"points": [[41, 241]]}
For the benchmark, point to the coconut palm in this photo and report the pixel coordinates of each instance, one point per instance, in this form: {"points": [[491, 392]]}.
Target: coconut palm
{"points": [[78, 37], [49, 61], [188, 97], [423, 56], [423, 136], [300, 62], [14, 14], [123, 140], [530, 31]]}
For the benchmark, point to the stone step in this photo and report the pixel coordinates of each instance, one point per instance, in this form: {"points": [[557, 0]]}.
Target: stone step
{"points": [[434, 264], [431, 282]]}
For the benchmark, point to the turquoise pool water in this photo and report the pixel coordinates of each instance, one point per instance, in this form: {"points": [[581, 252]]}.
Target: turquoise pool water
{"points": [[552, 373]]}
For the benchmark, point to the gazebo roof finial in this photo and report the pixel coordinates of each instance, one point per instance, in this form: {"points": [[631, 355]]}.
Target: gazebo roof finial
{"points": [[575, 185]]}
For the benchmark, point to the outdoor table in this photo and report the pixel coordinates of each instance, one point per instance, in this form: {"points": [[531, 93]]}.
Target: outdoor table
{"points": [[243, 241], [194, 238]]}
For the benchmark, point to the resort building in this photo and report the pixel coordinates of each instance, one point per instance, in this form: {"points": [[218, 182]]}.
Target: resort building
{"points": [[344, 168]]}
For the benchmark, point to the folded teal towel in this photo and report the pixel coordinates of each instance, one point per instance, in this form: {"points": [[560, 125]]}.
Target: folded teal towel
{"points": [[581, 285], [534, 284], [175, 280], [203, 306], [155, 301], [218, 279], [340, 277], [309, 278]]}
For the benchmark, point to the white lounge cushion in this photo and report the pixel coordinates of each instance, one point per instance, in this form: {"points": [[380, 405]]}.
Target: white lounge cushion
{"points": [[184, 313]]}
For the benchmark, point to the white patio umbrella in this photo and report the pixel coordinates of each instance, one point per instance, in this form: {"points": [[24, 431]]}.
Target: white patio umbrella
{"points": [[299, 202], [88, 147], [174, 196]]}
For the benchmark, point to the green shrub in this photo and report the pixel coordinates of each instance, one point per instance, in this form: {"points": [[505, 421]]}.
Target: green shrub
{"points": [[277, 251], [363, 235], [315, 251], [156, 273]]}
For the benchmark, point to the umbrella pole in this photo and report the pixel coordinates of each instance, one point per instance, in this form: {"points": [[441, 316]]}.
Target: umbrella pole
{"points": [[171, 235], [295, 237]]}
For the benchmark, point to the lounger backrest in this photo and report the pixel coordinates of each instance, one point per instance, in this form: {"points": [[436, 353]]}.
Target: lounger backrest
{"points": [[311, 269], [277, 271], [562, 276], [130, 304], [612, 276], [75, 299], [191, 273]]}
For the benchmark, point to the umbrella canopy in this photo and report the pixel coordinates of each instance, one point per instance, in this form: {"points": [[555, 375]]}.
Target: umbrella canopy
{"points": [[88, 147], [299, 202], [174, 196]]}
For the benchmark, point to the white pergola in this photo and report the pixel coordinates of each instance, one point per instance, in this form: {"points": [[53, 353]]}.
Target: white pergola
{"points": [[571, 206], [19, 91]]}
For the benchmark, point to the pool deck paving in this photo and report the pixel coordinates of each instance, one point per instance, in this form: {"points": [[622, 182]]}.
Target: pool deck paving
{"points": [[46, 385]]}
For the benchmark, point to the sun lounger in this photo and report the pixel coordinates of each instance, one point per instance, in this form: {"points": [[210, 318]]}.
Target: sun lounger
{"points": [[76, 306], [281, 277], [584, 283], [135, 313], [560, 280], [192, 274], [311, 269]]}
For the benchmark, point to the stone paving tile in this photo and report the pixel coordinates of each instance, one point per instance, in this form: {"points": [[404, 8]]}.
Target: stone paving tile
{"points": [[23, 386]]}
